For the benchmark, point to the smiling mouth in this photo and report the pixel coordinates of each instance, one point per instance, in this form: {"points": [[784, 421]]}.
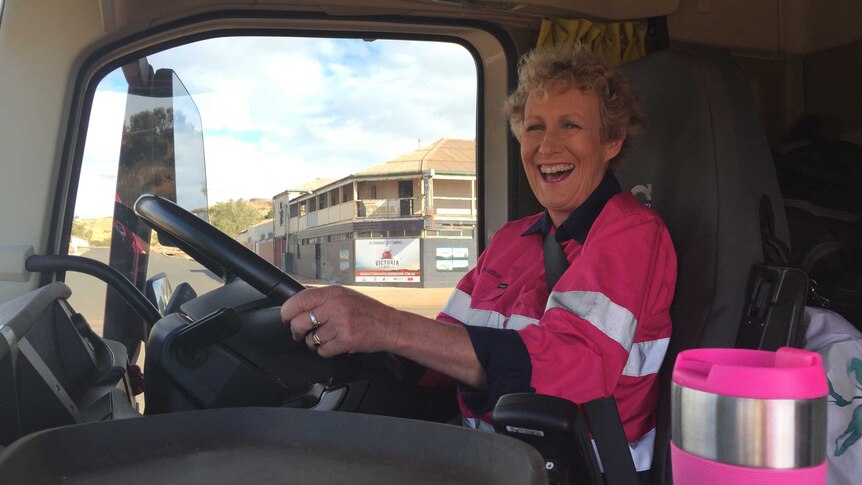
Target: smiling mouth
{"points": [[555, 173]]}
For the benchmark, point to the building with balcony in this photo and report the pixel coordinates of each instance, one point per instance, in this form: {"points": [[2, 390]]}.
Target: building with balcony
{"points": [[410, 221], [259, 238]]}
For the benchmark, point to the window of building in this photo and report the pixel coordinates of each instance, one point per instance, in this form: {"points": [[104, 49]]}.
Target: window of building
{"points": [[294, 210], [321, 201], [312, 204], [333, 197], [346, 193]]}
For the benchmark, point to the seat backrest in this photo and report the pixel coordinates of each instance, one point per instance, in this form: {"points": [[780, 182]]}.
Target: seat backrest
{"points": [[703, 162]]}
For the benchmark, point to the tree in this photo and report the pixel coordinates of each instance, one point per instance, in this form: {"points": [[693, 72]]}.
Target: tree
{"points": [[147, 155], [79, 229], [234, 216]]}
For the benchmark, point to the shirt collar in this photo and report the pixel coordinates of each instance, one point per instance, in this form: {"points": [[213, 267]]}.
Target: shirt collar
{"points": [[578, 224]]}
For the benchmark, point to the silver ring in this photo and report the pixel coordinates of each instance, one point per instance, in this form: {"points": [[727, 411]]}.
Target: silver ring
{"points": [[314, 322], [316, 340]]}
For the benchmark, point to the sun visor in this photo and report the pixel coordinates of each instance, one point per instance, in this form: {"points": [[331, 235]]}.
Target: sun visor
{"points": [[786, 26], [125, 15], [606, 9]]}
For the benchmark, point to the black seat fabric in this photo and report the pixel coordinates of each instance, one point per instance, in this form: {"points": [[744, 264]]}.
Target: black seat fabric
{"points": [[704, 157]]}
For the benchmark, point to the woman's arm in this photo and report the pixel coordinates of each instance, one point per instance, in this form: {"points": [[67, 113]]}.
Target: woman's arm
{"points": [[352, 322]]}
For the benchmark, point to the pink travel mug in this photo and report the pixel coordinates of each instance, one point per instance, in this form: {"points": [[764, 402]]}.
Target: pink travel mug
{"points": [[748, 417]]}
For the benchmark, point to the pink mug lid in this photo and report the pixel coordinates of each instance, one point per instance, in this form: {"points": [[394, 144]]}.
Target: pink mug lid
{"points": [[787, 373]]}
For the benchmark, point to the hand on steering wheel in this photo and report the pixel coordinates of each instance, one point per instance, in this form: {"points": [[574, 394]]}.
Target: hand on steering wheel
{"points": [[334, 320], [197, 237]]}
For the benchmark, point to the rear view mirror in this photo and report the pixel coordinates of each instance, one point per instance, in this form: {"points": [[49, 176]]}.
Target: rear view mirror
{"points": [[158, 290]]}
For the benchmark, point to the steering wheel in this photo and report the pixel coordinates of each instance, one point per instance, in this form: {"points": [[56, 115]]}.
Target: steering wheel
{"points": [[200, 238]]}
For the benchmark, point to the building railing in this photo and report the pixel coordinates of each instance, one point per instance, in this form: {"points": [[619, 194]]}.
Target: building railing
{"points": [[454, 206], [383, 208]]}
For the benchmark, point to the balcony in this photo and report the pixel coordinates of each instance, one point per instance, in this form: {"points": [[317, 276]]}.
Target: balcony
{"points": [[444, 207], [456, 207], [384, 208]]}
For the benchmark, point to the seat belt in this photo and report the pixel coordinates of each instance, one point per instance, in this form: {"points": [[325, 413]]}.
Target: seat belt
{"points": [[12, 342], [777, 294], [555, 260], [602, 414]]}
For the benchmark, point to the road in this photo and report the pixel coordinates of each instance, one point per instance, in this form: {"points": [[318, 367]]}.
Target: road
{"points": [[88, 293]]}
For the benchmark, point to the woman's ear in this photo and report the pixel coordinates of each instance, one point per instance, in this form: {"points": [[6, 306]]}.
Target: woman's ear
{"points": [[613, 147]]}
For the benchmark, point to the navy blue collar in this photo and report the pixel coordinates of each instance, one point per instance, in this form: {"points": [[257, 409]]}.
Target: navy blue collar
{"points": [[578, 224]]}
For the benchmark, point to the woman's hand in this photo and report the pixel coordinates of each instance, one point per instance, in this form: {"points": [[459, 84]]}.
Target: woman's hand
{"points": [[347, 321]]}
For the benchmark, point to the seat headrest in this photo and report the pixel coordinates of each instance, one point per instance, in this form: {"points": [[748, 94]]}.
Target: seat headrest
{"points": [[703, 162]]}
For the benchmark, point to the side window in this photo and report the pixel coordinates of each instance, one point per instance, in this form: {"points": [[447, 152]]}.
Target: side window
{"points": [[341, 161]]}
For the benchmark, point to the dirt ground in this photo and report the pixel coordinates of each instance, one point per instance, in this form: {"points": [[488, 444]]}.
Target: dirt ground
{"points": [[423, 301]]}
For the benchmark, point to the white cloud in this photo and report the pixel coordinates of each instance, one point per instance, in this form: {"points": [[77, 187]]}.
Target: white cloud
{"points": [[98, 180], [230, 177], [278, 112]]}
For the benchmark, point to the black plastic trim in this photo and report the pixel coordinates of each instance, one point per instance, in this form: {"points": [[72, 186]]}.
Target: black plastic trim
{"points": [[47, 264]]}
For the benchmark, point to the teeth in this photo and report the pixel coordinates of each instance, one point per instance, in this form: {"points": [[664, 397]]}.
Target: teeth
{"points": [[556, 168]]}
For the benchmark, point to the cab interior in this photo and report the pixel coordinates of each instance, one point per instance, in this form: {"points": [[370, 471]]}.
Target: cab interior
{"points": [[725, 86]]}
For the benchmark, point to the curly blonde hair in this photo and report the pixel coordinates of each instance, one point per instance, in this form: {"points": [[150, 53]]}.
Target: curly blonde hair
{"points": [[576, 66]]}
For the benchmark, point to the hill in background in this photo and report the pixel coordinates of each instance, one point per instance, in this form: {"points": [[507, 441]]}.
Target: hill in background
{"points": [[97, 230]]}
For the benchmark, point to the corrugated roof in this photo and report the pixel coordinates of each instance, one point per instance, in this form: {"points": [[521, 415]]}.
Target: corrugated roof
{"points": [[444, 155], [304, 188], [314, 184]]}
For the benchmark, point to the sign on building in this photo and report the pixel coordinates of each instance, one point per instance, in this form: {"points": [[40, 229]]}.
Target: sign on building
{"points": [[387, 261]]}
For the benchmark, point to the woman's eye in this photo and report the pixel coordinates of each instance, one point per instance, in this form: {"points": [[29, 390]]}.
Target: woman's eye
{"points": [[534, 127], [571, 126]]}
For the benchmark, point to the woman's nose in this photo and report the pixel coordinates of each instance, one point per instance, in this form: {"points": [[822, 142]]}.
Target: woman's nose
{"points": [[551, 143]]}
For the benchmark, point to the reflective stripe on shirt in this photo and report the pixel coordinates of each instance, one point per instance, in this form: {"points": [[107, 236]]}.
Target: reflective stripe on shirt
{"points": [[645, 358], [476, 423], [459, 308], [613, 320]]}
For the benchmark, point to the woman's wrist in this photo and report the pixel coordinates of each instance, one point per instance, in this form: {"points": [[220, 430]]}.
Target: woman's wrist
{"points": [[437, 345], [393, 331]]}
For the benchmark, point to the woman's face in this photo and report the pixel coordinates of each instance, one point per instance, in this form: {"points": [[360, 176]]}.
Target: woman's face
{"points": [[562, 150]]}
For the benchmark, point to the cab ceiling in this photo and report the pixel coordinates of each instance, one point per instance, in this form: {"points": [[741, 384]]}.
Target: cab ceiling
{"points": [[122, 15], [770, 26]]}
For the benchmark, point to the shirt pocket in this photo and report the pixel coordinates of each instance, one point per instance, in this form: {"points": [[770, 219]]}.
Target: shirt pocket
{"points": [[486, 303], [528, 309], [488, 289]]}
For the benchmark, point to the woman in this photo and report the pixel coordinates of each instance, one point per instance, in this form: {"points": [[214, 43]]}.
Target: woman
{"points": [[603, 328]]}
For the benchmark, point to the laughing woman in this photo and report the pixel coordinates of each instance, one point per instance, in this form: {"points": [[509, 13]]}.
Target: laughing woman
{"points": [[601, 329]]}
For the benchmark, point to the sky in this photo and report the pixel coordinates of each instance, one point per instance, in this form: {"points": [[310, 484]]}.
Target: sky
{"points": [[278, 112]]}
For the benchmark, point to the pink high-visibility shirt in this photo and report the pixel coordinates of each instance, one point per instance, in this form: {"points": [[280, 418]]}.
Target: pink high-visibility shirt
{"points": [[605, 327]]}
